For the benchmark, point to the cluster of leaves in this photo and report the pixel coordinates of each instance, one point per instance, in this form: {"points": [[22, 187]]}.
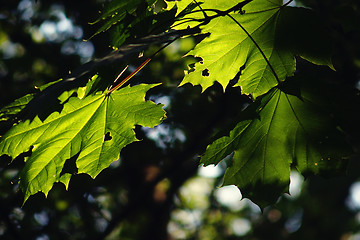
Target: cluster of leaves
{"points": [[291, 123]]}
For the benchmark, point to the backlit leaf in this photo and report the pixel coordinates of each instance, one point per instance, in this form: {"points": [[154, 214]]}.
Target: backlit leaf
{"points": [[93, 130], [259, 44], [229, 48]]}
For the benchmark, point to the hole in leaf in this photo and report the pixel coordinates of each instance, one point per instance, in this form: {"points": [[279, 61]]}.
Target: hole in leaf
{"points": [[191, 68], [205, 73], [199, 59], [192, 65], [107, 137], [70, 165]]}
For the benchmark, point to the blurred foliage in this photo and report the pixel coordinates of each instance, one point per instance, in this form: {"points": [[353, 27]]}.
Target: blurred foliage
{"points": [[154, 191]]}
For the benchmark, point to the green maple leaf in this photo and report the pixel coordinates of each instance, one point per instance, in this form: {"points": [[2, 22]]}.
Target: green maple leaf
{"points": [[229, 48], [92, 130], [290, 128], [252, 44]]}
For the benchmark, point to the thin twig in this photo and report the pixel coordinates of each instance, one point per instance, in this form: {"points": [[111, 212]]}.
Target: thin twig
{"points": [[205, 15]]}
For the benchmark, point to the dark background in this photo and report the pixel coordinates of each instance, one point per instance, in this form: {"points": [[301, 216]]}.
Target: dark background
{"points": [[147, 193]]}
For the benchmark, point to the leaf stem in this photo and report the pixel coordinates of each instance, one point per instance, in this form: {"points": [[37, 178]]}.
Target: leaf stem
{"points": [[130, 75], [140, 67]]}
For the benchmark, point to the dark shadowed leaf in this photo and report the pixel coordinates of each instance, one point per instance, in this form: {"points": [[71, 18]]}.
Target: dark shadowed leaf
{"points": [[292, 127]]}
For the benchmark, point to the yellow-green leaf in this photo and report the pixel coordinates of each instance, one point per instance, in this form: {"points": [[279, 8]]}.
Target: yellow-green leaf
{"points": [[92, 130]]}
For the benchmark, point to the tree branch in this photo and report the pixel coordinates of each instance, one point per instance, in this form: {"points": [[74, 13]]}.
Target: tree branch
{"points": [[80, 76]]}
